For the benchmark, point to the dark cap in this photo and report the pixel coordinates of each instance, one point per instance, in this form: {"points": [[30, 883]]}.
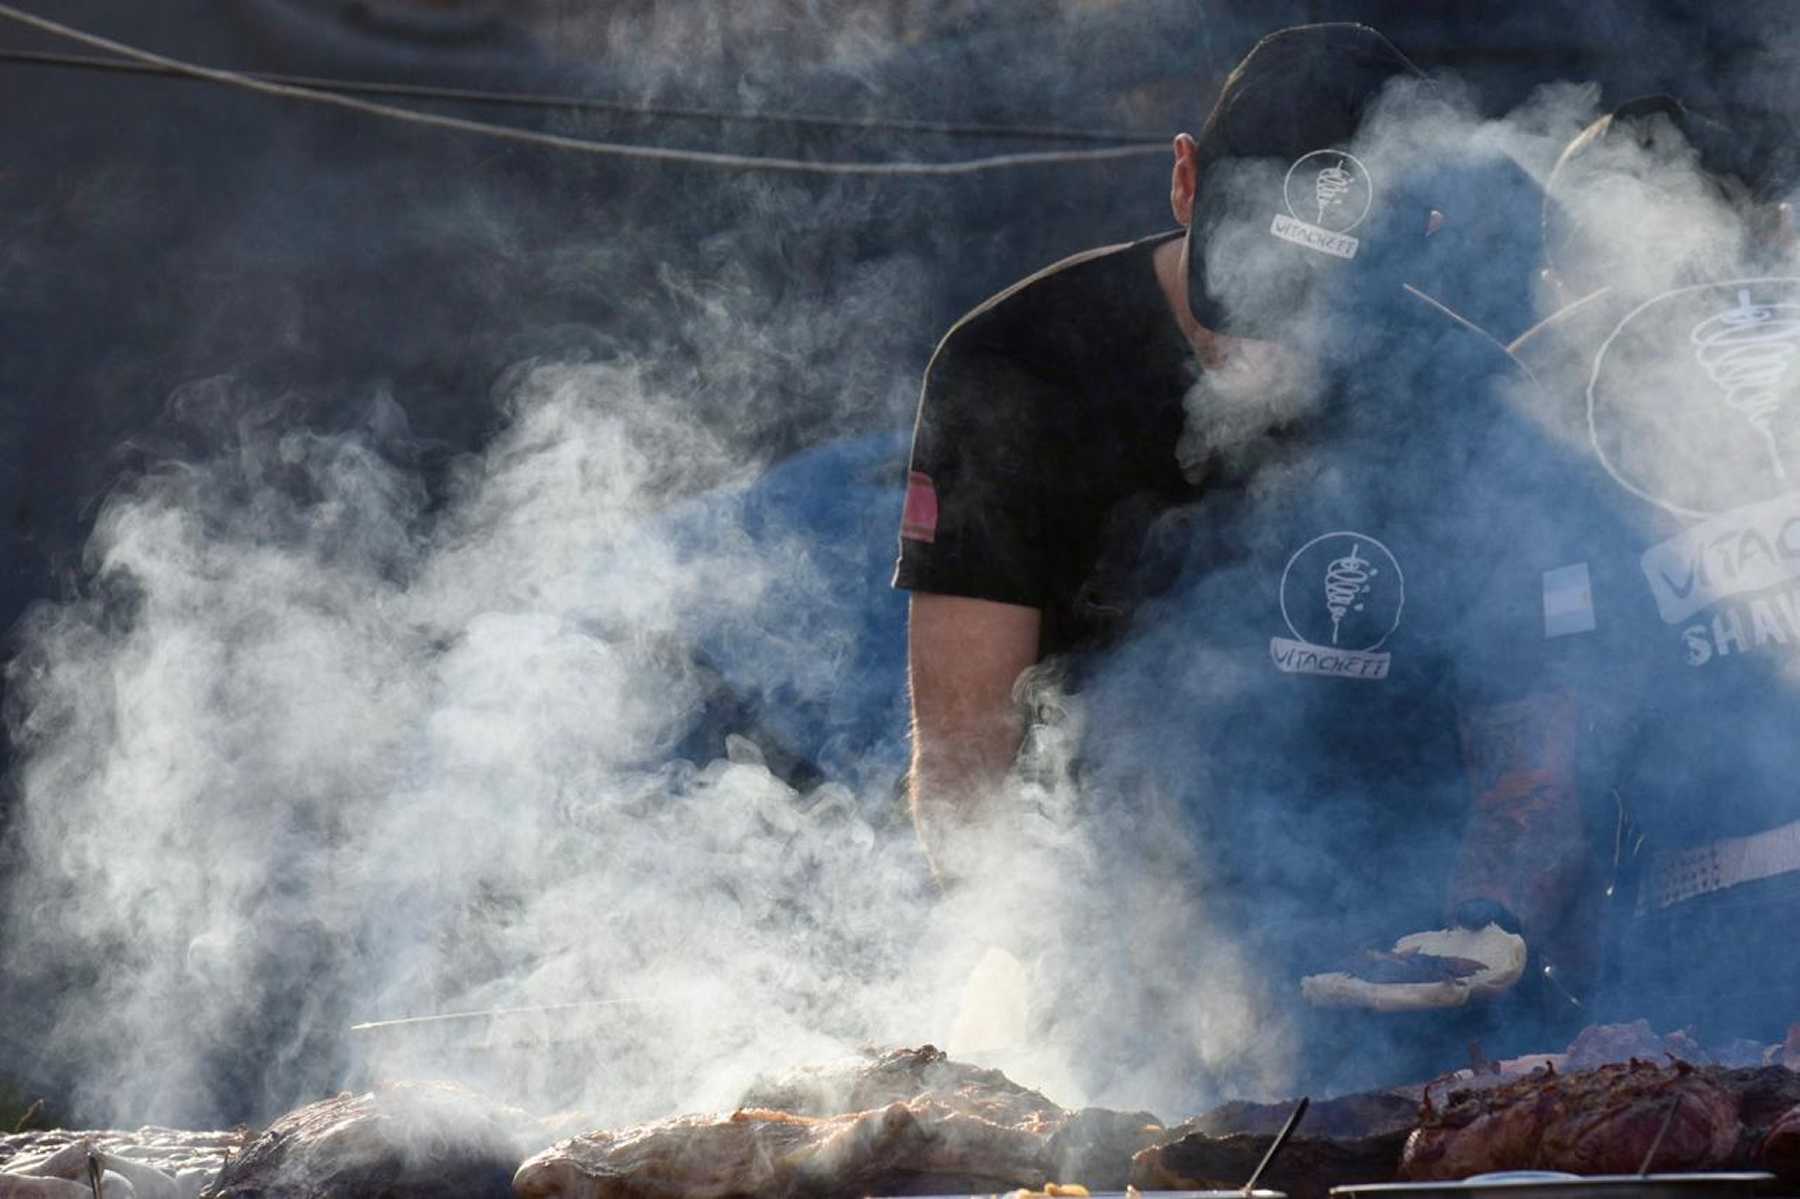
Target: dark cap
{"points": [[1299, 92], [1300, 89]]}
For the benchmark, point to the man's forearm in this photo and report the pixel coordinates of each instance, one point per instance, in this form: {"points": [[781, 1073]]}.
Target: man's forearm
{"points": [[965, 656], [954, 790]]}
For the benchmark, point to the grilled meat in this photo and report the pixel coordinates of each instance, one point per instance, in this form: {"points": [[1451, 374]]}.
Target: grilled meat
{"points": [[1602, 1121], [401, 1140], [1781, 1148], [158, 1161], [903, 1147], [901, 1121], [1306, 1168]]}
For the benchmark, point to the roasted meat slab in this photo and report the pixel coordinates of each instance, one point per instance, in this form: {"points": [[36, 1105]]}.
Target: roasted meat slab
{"points": [[917, 1147], [894, 1122], [1781, 1148], [398, 1141], [160, 1163], [1600, 1121], [1306, 1169]]}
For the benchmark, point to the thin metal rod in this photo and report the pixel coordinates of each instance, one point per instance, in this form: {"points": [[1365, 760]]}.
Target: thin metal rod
{"points": [[1674, 1106], [1287, 1130], [499, 1013]]}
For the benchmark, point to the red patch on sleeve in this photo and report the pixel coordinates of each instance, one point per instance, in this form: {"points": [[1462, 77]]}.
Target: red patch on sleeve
{"points": [[919, 521]]}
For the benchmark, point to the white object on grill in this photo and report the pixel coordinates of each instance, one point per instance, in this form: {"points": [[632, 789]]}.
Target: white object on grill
{"points": [[1503, 952]]}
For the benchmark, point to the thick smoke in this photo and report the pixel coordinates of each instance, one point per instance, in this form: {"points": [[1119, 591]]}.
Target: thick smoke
{"points": [[344, 722], [308, 756]]}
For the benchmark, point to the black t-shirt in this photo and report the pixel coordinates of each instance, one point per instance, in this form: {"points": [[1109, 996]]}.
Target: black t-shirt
{"points": [[1675, 403], [1046, 443]]}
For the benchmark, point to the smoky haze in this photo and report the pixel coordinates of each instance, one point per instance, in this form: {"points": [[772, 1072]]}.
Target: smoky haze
{"points": [[431, 611]]}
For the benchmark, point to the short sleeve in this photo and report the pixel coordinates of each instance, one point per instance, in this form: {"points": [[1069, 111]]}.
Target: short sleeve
{"points": [[974, 522]]}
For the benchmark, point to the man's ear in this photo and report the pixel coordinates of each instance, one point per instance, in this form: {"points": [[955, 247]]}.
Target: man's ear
{"points": [[1184, 178]]}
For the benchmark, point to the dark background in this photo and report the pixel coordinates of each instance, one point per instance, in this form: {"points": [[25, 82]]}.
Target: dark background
{"points": [[154, 232]]}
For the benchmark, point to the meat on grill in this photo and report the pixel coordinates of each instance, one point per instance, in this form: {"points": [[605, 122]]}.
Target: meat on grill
{"points": [[399, 1141], [74, 1166], [31, 1186], [1346, 1117], [1601, 1121], [1305, 1169], [778, 1155], [1781, 1148], [160, 1163], [895, 1121]]}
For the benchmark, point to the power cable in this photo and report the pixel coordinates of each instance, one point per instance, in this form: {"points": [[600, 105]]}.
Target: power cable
{"points": [[597, 104], [579, 145]]}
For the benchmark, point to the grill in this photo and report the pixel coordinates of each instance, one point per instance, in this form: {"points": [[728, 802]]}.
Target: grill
{"points": [[1545, 1184]]}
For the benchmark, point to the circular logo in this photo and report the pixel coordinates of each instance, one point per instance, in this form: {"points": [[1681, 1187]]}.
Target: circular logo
{"points": [[1330, 189], [1694, 401], [1343, 589]]}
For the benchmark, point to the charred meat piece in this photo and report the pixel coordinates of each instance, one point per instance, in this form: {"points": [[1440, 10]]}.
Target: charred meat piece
{"points": [[1095, 1146], [1767, 1098], [1306, 1168], [1603, 1121], [1347, 1117], [1781, 1148], [401, 1140], [761, 1154]]}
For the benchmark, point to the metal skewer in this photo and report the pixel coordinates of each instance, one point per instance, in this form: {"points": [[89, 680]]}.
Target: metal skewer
{"points": [[1674, 1106], [1275, 1145]]}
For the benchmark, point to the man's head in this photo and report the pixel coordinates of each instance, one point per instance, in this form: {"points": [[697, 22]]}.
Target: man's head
{"points": [[1656, 195], [1271, 174]]}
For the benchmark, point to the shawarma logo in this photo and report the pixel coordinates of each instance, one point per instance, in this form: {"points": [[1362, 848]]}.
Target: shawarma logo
{"points": [[1692, 406], [1692, 400], [1328, 193], [1748, 351], [1341, 598]]}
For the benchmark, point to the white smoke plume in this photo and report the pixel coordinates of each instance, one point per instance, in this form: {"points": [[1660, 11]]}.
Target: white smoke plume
{"points": [[309, 756]]}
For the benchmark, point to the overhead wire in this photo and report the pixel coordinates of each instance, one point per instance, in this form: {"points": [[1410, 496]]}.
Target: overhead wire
{"points": [[559, 141], [468, 95]]}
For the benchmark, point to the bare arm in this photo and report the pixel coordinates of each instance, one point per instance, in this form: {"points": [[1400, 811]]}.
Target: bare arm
{"points": [[965, 656]]}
